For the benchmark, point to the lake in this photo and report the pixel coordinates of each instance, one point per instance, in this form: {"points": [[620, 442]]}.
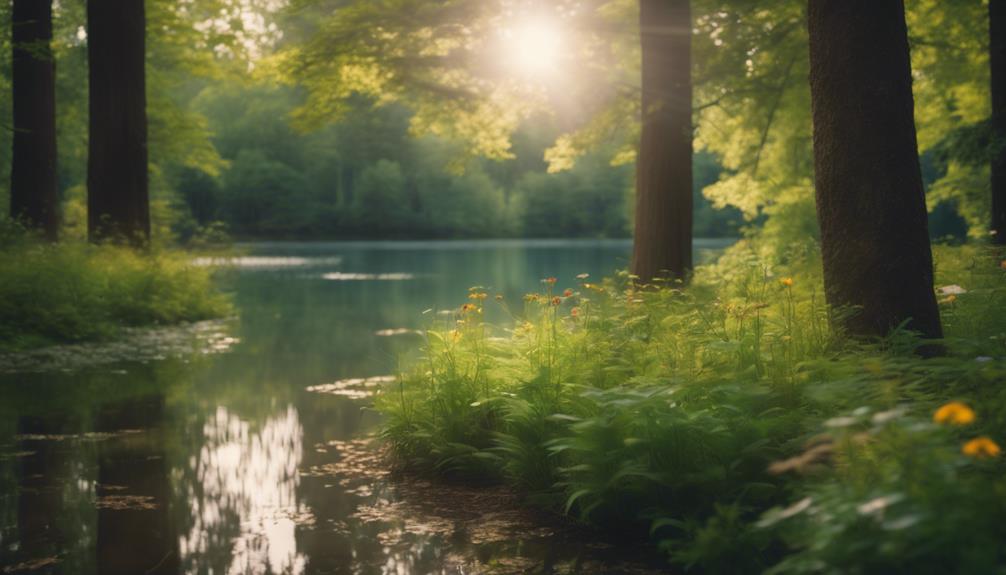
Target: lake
{"points": [[239, 447]]}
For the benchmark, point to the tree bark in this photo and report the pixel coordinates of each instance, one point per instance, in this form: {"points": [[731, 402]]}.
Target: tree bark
{"points": [[34, 199], [117, 182], [663, 232], [997, 63], [870, 200]]}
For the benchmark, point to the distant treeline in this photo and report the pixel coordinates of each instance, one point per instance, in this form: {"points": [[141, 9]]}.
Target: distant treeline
{"points": [[367, 177]]}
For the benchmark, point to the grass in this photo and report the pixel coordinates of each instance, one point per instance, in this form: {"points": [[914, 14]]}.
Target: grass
{"points": [[73, 291], [727, 421]]}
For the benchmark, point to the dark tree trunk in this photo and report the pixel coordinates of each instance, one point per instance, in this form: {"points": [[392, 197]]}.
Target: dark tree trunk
{"points": [[870, 199], [663, 237], [33, 193], [117, 196], [997, 62]]}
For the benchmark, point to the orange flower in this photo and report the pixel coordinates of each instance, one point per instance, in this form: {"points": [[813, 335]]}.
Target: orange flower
{"points": [[1002, 264], [981, 447], [469, 307], [788, 282], [556, 300], [575, 312], [954, 413], [567, 293], [549, 281]]}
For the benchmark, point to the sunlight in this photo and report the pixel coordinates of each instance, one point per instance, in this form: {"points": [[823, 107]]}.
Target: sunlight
{"points": [[533, 47]]}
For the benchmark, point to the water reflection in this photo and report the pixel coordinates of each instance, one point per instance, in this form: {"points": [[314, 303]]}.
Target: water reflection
{"points": [[135, 531], [244, 496], [166, 458]]}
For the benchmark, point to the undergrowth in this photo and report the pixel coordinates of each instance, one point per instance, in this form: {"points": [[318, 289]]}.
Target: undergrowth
{"points": [[74, 291], [727, 421]]}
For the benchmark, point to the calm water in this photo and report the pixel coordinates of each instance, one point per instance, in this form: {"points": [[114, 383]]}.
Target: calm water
{"points": [[220, 460]]}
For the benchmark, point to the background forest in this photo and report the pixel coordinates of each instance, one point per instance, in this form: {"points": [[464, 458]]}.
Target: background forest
{"points": [[231, 147]]}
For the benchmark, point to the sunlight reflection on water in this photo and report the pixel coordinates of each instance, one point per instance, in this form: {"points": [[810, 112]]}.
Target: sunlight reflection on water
{"points": [[265, 262], [249, 476], [344, 276]]}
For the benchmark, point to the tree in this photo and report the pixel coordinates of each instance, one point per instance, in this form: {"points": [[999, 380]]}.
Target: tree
{"points": [[663, 237], [870, 200], [34, 199], [118, 199], [997, 65]]}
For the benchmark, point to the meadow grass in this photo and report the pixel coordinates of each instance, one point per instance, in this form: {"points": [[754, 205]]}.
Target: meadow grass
{"points": [[74, 291], [728, 421]]}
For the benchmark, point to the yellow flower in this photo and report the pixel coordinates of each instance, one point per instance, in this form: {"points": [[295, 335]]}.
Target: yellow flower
{"points": [[954, 413], [981, 447], [469, 307], [788, 282], [477, 296]]}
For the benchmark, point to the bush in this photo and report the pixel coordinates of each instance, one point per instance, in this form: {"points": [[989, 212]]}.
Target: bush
{"points": [[75, 292], [687, 414]]}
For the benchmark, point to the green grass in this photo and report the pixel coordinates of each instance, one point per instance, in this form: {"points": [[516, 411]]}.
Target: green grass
{"points": [[73, 291], [698, 417]]}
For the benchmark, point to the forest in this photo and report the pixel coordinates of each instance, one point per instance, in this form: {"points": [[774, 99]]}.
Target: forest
{"points": [[502, 286]]}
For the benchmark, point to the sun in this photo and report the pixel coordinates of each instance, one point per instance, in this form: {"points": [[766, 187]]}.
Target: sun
{"points": [[533, 47]]}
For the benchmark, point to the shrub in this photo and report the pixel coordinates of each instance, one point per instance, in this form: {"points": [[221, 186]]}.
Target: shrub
{"points": [[75, 291], [689, 413]]}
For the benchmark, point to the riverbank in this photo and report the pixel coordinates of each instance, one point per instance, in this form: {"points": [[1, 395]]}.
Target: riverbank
{"points": [[75, 292], [727, 423]]}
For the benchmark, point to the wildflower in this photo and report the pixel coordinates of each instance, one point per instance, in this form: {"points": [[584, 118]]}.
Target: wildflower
{"points": [[454, 335], [1002, 264], [585, 276], [477, 296], [556, 300], [531, 297], [549, 281], [575, 312], [954, 413], [469, 307], [952, 290], [787, 282], [981, 447], [567, 293]]}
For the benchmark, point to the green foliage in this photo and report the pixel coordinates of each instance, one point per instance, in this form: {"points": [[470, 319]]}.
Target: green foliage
{"points": [[76, 292], [691, 413], [902, 499]]}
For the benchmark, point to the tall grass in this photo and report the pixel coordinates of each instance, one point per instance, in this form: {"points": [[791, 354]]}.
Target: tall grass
{"points": [[687, 414], [74, 291]]}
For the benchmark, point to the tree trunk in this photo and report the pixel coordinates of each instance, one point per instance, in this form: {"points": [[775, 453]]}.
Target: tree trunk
{"points": [[34, 199], [117, 186], [997, 62], [870, 199], [663, 236]]}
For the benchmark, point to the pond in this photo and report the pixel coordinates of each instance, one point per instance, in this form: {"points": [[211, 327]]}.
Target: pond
{"points": [[240, 446]]}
